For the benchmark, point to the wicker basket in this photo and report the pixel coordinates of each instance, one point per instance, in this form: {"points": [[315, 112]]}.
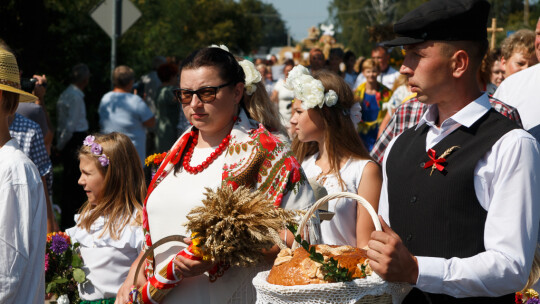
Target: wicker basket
{"points": [[371, 289]]}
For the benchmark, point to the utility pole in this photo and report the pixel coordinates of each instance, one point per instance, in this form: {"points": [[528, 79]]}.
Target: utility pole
{"points": [[117, 30], [526, 13]]}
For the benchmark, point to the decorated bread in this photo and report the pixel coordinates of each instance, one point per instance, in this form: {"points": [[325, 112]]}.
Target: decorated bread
{"points": [[297, 268]]}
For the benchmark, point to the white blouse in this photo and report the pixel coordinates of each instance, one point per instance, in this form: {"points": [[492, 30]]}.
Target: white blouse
{"points": [[341, 229], [106, 261], [167, 219]]}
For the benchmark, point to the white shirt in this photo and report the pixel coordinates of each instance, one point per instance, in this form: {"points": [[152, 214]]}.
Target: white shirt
{"points": [[350, 79], [520, 90], [23, 228], [507, 186], [386, 78], [341, 229], [71, 111], [166, 218], [106, 261]]}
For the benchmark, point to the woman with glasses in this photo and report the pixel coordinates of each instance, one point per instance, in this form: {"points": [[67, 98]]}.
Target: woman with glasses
{"points": [[224, 147]]}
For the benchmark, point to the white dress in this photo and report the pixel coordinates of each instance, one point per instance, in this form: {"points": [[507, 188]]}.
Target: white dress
{"points": [[341, 229], [106, 261], [235, 285]]}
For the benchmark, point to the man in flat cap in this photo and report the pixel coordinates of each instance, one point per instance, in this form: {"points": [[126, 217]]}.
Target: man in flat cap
{"points": [[460, 189]]}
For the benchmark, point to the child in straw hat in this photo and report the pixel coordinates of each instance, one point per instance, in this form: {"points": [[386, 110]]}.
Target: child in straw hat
{"points": [[22, 202]]}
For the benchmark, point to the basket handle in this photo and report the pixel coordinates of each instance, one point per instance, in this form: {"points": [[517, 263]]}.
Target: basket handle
{"points": [[329, 197], [150, 250]]}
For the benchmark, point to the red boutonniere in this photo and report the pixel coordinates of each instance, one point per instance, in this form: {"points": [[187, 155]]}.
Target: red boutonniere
{"points": [[438, 163]]}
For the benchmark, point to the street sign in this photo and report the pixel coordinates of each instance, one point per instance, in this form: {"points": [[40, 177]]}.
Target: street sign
{"points": [[115, 17], [103, 16]]}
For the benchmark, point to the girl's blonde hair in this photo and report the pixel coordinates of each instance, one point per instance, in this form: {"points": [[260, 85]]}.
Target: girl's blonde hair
{"points": [[124, 186], [341, 139], [370, 64], [262, 109]]}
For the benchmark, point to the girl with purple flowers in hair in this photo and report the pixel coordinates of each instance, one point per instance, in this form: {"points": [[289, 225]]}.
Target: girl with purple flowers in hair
{"points": [[109, 224]]}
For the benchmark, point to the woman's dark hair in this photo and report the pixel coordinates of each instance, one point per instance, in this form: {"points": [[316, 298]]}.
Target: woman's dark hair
{"points": [[288, 62], [167, 71], [348, 55], [228, 67]]}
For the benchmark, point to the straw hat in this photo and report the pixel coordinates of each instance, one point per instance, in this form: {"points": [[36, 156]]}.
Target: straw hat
{"points": [[9, 77]]}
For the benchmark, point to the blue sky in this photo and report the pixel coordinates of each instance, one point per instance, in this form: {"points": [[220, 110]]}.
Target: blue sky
{"points": [[300, 15]]}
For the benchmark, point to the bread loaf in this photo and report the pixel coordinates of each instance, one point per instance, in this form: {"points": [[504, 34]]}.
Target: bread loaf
{"points": [[296, 268]]}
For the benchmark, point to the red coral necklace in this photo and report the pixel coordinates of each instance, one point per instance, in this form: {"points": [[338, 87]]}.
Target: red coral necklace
{"points": [[210, 159]]}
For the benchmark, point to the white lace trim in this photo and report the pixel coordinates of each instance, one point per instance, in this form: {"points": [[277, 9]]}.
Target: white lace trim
{"points": [[343, 292]]}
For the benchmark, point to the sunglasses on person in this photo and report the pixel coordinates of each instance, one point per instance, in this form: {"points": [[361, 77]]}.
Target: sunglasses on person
{"points": [[205, 94]]}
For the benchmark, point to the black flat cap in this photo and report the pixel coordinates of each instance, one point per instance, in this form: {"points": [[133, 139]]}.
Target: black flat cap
{"points": [[447, 20]]}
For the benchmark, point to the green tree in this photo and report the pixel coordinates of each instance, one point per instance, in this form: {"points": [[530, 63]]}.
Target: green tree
{"points": [[50, 36], [273, 30]]}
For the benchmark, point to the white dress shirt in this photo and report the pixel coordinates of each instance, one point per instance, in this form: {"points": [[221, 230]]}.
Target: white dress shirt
{"points": [[71, 111], [106, 260], [23, 228], [508, 188]]}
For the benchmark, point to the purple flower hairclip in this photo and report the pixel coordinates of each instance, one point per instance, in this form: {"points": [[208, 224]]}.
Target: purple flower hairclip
{"points": [[89, 140], [96, 149], [103, 160]]}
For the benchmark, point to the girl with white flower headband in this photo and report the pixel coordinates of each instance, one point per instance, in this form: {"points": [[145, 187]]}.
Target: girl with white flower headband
{"points": [[257, 101], [331, 152], [109, 226]]}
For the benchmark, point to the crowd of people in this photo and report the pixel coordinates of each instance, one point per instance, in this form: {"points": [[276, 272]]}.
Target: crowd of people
{"points": [[445, 149]]}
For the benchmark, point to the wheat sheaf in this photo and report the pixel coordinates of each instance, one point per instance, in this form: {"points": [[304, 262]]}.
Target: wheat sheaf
{"points": [[234, 226]]}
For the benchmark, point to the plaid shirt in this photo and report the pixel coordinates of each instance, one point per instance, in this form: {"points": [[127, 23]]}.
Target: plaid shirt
{"points": [[30, 139], [409, 113]]}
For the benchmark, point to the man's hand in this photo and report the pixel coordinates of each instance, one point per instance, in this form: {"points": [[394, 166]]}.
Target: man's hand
{"points": [[389, 258], [40, 89]]}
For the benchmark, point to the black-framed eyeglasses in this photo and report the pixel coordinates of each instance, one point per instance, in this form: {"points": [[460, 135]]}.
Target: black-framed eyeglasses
{"points": [[205, 94]]}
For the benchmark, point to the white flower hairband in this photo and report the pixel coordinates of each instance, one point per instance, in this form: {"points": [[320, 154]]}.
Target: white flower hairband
{"points": [[221, 46], [252, 75], [308, 89]]}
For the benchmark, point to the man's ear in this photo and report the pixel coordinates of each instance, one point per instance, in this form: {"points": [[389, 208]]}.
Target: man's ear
{"points": [[460, 63]]}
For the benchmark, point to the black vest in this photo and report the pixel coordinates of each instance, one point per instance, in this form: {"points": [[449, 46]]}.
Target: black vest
{"points": [[438, 215]]}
